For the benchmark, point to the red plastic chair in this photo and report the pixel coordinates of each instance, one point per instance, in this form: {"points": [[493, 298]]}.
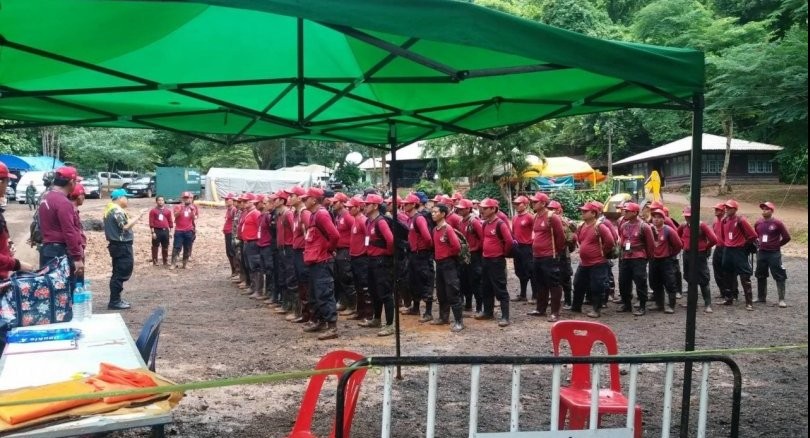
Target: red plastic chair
{"points": [[333, 359], [576, 399]]}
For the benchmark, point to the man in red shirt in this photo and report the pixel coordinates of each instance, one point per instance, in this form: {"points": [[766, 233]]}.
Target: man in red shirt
{"points": [[160, 221], [522, 225], [379, 242], [420, 257], [497, 244], [706, 240], [471, 274], [227, 230], [772, 235], [666, 247], [636, 240], [78, 197], [447, 248], [359, 259], [737, 235], [321, 242], [267, 247], [8, 263], [300, 221], [284, 232], [185, 216], [595, 240], [249, 234], [566, 271], [548, 243], [60, 234], [344, 280], [728, 286]]}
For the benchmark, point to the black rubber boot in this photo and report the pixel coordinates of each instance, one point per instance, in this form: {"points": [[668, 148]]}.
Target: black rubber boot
{"points": [[504, 321], [762, 290]]}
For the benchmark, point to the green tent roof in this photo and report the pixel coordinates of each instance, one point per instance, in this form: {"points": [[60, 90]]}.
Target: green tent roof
{"points": [[318, 69]]}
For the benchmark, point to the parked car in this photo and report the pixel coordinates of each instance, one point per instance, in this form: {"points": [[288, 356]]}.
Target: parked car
{"points": [[25, 180], [128, 174], [113, 180], [11, 194], [91, 188], [142, 187]]}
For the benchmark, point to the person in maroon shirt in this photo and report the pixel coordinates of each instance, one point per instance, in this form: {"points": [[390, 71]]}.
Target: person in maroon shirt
{"points": [[8, 263], [666, 247], [470, 274], [636, 241], [447, 247], [60, 235], [300, 221], [380, 249], [737, 235], [321, 242], [160, 222], [77, 197], [249, 234], [344, 280], [566, 270], [420, 258], [227, 231], [772, 235], [706, 240], [497, 244], [595, 239], [286, 271], [185, 217], [548, 243], [522, 225], [727, 285], [359, 259], [267, 248]]}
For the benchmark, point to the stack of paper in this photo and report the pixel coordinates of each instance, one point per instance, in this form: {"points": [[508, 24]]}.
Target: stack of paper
{"points": [[36, 347]]}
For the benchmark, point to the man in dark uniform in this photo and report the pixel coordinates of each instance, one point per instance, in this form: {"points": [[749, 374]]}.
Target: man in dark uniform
{"points": [[185, 220], [447, 248], [772, 235], [380, 250], [471, 274], [548, 243], [60, 234], [706, 240], [118, 230], [420, 259], [227, 230], [359, 259], [663, 276], [522, 224], [737, 235]]}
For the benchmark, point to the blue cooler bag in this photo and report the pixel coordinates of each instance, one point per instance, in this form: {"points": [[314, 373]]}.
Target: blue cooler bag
{"points": [[36, 298]]}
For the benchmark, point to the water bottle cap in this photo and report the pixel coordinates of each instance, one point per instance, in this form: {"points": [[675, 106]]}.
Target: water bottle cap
{"points": [[79, 298]]}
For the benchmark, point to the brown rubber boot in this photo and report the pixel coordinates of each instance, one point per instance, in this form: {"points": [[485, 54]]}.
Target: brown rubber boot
{"points": [[331, 332]]}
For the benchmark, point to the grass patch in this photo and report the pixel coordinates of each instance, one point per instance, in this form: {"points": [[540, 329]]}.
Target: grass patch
{"points": [[795, 197], [799, 236]]}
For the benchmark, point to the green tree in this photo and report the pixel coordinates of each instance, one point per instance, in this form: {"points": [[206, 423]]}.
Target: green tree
{"points": [[17, 141], [95, 149]]}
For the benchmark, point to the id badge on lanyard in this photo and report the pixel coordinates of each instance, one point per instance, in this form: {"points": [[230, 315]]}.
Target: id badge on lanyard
{"points": [[160, 216]]}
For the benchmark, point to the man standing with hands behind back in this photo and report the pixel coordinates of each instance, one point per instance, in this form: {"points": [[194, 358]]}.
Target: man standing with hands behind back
{"points": [[118, 230]]}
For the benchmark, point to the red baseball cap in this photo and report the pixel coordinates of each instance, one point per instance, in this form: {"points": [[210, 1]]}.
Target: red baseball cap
{"points": [[281, 194], [355, 201], [78, 190], [411, 199], [590, 206], [230, 195], [540, 197], [465, 203], [687, 211], [521, 200], [666, 211], [489, 203], [271, 197], [243, 197], [186, 195], [340, 197], [631, 206], [313, 192], [4, 173], [458, 196], [659, 211], [66, 172], [769, 205], [598, 204], [720, 206], [554, 205], [732, 204], [371, 198], [656, 205], [296, 190]]}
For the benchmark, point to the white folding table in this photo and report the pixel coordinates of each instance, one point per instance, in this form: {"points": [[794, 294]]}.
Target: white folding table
{"points": [[105, 338]]}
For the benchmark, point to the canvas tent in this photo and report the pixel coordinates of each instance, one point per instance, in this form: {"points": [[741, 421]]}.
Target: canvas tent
{"points": [[220, 181], [24, 164], [562, 166]]}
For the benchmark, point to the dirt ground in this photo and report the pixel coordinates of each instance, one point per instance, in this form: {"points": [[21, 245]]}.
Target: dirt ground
{"points": [[211, 331]]}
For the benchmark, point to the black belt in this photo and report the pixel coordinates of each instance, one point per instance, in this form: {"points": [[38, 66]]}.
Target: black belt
{"points": [[120, 242], [423, 251], [54, 243]]}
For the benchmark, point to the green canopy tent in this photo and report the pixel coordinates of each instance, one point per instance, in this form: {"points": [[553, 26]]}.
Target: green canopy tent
{"points": [[380, 73]]}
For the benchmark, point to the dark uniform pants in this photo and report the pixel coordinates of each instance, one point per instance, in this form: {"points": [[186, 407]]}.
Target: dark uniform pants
{"points": [[633, 271], [566, 273], [589, 280], [365, 309], [471, 282], [161, 241], [380, 282], [493, 285], [702, 274], [735, 262], [770, 260], [268, 269], [422, 275], [305, 297], [546, 283], [344, 280], [523, 261], [322, 290], [727, 284], [448, 288], [663, 277], [123, 261], [183, 240], [287, 278]]}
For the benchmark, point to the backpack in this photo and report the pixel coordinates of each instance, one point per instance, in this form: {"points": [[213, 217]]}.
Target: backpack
{"points": [[464, 257], [35, 231], [615, 251], [399, 231]]}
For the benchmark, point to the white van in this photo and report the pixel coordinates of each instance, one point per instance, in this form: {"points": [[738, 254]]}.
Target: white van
{"points": [[25, 179]]}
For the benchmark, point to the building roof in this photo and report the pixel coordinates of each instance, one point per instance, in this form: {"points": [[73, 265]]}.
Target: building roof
{"points": [[411, 152], [16, 162], [710, 143]]}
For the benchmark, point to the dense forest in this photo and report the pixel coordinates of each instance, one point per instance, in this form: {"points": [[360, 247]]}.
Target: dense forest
{"points": [[756, 55]]}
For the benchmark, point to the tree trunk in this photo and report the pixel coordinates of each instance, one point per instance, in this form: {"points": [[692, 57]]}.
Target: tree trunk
{"points": [[728, 128]]}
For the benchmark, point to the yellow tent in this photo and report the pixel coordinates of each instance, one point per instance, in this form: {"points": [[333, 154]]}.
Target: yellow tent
{"points": [[561, 166]]}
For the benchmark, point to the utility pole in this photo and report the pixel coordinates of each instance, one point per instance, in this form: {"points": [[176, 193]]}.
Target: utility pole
{"points": [[283, 152], [610, 151]]}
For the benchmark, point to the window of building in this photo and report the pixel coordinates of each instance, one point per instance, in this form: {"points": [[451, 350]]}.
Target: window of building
{"points": [[679, 166], [712, 163], [759, 165]]}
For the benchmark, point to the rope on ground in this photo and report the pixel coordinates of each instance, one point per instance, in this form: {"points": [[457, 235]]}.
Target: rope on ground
{"points": [[293, 375]]}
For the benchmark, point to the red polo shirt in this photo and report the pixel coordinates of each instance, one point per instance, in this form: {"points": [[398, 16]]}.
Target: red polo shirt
{"points": [[454, 220], [445, 242], [522, 225], [706, 237], [321, 237], [736, 231], [344, 222], [265, 236], [57, 224], [377, 231], [667, 243], [717, 227], [549, 235], [591, 253], [230, 212], [284, 227], [419, 238], [636, 239], [185, 216], [772, 234], [473, 231], [299, 228], [357, 243], [249, 227], [497, 239], [161, 218]]}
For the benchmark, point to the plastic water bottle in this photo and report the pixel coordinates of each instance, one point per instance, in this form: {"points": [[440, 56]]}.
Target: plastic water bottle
{"points": [[79, 303], [88, 300]]}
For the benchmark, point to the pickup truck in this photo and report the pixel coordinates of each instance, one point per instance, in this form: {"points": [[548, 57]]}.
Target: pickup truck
{"points": [[112, 179]]}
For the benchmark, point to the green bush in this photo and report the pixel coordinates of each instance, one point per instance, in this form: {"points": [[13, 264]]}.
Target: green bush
{"points": [[427, 187], [488, 190], [571, 200]]}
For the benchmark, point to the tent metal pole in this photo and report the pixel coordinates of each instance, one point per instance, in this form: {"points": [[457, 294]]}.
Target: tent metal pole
{"points": [[692, 255], [300, 69], [392, 142]]}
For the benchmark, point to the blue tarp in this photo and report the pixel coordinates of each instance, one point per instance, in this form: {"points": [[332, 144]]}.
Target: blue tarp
{"points": [[15, 162], [557, 182]]}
